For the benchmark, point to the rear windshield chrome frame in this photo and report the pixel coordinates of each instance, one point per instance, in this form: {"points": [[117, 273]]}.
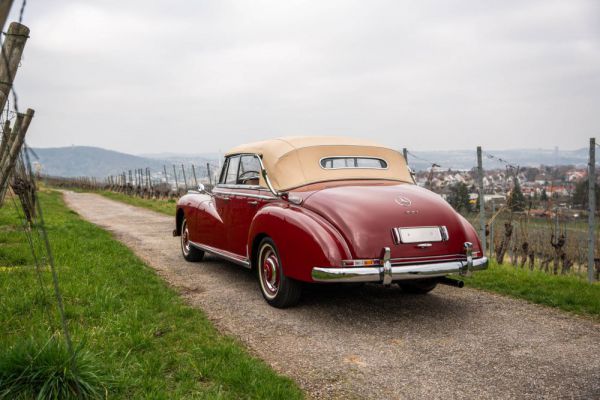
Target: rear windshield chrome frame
{"points": [[353, 156]]}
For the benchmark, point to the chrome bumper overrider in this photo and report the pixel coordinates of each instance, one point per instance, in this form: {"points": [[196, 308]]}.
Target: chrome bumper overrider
{"points": [[387, 273]]}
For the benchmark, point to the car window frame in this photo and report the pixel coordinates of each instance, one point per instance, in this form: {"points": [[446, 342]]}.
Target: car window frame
{"points": [[237, 168], [238, 185], [356, 158], [223, 173], [240, 168]]}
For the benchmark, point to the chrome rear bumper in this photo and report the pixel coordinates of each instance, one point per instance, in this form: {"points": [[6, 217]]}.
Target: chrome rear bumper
{"points": [[404, 272]]}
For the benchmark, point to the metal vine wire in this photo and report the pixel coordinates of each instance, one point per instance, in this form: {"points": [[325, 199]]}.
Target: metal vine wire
{"points": [[22, 10], [423, 159], [38, 221], [36, 259], [501, 160]]}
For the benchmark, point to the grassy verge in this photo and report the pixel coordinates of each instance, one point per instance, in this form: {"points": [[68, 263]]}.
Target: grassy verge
{"points": [[162, 206], [567, 292], [138, 330]]}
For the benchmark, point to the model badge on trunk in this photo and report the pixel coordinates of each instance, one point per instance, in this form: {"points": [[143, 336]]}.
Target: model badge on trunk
{"points": [[403, 201]]}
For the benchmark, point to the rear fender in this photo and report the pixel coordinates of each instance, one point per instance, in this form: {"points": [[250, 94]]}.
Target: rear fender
{"points": [[471, 235], [303, 238]]}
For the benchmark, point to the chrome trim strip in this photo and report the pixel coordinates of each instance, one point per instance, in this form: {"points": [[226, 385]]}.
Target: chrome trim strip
{"points": [[445, 235], [396, 235], [222, 253], [254, 196], [265, 176], [232, 186], [398, 238], [404, 259], [374, 274], [417, 262], [368, 157]]}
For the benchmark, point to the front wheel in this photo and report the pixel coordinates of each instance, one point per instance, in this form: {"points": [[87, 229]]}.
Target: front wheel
{"points": [[190, 253], [277, 289], [418, 286]]}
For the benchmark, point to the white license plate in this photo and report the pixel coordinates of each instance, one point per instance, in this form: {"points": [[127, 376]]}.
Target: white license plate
{"points": [[418, 235]]}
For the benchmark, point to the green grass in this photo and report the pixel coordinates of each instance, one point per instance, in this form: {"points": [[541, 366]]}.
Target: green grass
{"points": [[567, 292], [44, 369], [160, 205], [137, 329]]}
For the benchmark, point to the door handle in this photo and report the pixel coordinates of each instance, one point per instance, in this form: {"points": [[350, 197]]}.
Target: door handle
{"points": [[253, 202], [224, 198]]}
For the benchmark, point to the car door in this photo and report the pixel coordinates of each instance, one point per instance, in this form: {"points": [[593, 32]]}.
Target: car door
{"points": [[245, 200], [213, 223]]}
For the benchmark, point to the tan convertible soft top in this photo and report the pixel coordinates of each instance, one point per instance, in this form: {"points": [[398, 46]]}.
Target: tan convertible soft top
{"points": [[292, 162]]}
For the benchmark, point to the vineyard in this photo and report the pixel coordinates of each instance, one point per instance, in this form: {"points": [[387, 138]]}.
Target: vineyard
{"points": [[555, 245], [553, 238]]}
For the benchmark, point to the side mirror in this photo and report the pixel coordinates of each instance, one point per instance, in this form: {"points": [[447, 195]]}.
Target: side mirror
{"points": [[202, 189]]}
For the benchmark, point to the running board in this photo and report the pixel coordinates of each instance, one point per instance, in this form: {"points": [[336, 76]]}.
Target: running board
{"points": [[234, 258]]}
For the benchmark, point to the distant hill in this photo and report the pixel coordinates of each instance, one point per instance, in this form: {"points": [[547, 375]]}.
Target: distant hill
{"points": [[93, 161], [467, 159], [96, 162]]}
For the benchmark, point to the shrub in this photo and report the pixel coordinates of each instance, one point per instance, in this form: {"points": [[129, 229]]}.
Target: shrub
{"points": [[33, 369]]}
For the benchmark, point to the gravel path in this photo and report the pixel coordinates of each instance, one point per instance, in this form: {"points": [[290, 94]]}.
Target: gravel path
{"points": [[375, 342]]}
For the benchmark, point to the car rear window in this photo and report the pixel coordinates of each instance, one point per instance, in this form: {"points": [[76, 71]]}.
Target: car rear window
{"points": [[352, 162]]}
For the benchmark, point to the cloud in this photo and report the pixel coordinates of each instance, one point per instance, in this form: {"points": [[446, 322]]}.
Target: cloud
{"points": [[201, 76]]}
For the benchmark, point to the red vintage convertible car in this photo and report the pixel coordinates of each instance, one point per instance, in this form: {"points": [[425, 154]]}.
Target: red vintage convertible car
{"points": [[326, 209]]}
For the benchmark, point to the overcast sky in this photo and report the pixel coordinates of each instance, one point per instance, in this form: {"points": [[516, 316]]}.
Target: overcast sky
{"points": [[202, 76]]}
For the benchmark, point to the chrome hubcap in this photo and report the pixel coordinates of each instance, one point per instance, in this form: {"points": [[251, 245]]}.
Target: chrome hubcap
{"points": [[269, 271], [185, 241]]}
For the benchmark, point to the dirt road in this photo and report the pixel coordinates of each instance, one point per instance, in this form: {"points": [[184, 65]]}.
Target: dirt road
{"points": [[375, 342]]}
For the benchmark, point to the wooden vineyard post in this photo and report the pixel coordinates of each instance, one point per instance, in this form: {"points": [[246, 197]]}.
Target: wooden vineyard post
{"points": [[194, 172], [14, 148], [129, 185], [150, 186], [6, 135], [492, 230], [592, 209], [140, 177], [481, 200], [12, 50], [176, 183], [208, 173], [184, 178], [147, 181], [5, 7], [167, 185]]}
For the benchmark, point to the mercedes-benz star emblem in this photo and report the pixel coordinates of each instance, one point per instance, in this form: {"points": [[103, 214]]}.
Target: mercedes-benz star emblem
{"points": [[403, 201]]}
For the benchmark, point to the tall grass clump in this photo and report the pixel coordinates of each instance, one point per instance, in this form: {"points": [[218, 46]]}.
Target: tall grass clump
{"points": [[34, 369]]}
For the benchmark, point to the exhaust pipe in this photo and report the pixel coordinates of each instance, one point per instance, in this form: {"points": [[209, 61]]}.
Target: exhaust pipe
{"points": [[451, 282]]}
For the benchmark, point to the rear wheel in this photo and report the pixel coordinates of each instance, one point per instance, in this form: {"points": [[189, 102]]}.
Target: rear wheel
{"points": [[420, 286], [277, 289], [190, 253]]}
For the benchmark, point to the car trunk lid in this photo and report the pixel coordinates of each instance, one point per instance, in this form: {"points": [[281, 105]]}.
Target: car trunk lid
{"points": [[367, 215]]}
